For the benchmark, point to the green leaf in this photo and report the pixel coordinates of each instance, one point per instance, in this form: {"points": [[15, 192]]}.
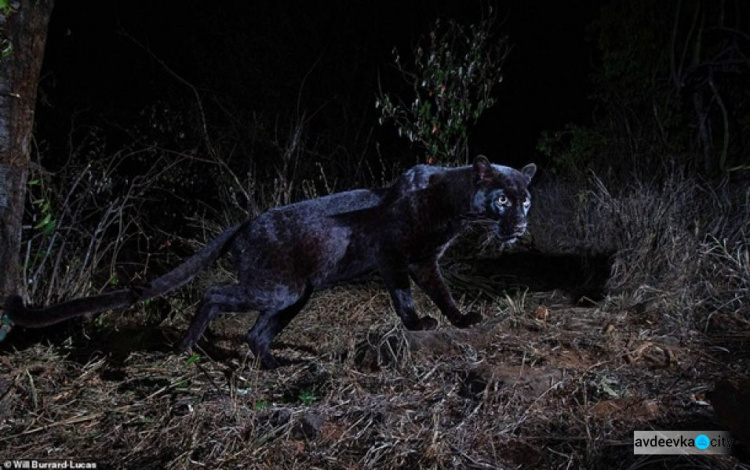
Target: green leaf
{"points": [[47, 218], [307, 397], [50, 228], [5, 7], [193, 359]]}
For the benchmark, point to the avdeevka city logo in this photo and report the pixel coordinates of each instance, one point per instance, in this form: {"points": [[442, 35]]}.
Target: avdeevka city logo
{"points": [[702, 442], [682, 442]]}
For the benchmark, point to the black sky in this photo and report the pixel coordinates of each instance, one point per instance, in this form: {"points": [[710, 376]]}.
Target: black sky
{"points": [[257, 54]]}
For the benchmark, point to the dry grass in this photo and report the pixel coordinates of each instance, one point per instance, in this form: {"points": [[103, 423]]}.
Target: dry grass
{"points": [[675, 241], [529, 387], [542, 382]]}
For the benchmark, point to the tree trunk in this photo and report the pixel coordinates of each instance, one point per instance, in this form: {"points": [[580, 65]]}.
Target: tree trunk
{"points": [[25, 27]]}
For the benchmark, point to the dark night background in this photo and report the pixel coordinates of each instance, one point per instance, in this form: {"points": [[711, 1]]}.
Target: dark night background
{"points": [[253, 57]]}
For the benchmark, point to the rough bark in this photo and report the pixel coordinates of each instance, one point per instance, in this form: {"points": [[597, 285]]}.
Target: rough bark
{"points": [[25, 26]]}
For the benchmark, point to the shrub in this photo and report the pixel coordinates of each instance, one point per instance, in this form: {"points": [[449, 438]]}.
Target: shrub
{"points": [[455, 70]]}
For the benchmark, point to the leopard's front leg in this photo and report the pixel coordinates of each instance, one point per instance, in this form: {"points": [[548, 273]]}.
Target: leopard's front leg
{"points": [[396, 279], [428, 278]]}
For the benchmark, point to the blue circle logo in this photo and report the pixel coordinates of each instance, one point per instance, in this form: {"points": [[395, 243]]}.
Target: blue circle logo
{"points": [[702, 442]]}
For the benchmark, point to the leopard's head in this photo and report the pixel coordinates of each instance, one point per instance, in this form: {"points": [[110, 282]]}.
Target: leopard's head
{"points": [[501, 196]]}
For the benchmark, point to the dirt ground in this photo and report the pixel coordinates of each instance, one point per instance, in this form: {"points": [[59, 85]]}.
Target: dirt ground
{"points": [[545, 381]]}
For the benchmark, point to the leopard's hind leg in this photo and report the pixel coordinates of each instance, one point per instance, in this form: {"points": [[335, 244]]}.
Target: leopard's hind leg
{"points": [[270, 323], [216, 300], [277, 307]]}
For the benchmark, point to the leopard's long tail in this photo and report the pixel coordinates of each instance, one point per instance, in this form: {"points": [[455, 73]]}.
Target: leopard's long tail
{"points": [[21, 315]]}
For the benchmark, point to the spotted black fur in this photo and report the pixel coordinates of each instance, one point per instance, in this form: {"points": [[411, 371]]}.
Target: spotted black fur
{"points": [[286, 253]]}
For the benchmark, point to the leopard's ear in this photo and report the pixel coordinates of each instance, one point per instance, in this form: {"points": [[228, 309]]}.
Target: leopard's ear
{"points": [[482, 168], [528, 172]]}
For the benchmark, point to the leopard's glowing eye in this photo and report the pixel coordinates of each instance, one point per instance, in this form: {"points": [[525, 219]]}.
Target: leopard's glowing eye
{"points": [[526, 203], [502, 200]]}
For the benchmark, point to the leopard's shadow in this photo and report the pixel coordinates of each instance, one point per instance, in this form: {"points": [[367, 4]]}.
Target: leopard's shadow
{"points": [[580, 276]]}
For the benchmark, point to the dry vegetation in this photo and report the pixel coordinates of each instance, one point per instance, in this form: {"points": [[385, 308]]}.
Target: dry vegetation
{"points": [[565, 366], [539, 383], [547, 380]]}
